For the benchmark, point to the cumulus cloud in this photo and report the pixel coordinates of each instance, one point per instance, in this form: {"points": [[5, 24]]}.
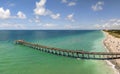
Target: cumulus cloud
{"points": [[21, 15], [55, 16], [40, 8], [71, 4], [70, 17], [4, 14], [110, 24], [98, 6]]}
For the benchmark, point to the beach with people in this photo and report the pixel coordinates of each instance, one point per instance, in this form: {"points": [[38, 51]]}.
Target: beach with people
{"points": [[112, 43]]}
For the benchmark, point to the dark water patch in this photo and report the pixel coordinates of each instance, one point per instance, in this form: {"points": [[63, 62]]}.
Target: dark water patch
{"points": [[38, 34]]}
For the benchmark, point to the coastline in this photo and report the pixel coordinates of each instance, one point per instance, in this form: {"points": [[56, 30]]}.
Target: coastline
{"points": [[112, 45]]}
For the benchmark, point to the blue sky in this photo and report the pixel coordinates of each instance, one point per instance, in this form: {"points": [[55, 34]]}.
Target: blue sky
{"points": [[59, 14]]}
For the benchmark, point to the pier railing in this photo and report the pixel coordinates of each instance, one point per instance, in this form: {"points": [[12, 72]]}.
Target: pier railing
{"points": [[72, 53]]}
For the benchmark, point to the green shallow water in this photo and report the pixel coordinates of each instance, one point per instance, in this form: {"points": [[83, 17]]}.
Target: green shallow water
{"points": [[16, 59]]}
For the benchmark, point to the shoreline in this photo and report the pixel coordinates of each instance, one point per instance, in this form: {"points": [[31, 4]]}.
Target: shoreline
{"points": [[112, 43]]}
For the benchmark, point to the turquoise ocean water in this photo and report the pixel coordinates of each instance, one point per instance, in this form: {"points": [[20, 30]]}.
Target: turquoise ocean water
{"points": [[16, 59]]}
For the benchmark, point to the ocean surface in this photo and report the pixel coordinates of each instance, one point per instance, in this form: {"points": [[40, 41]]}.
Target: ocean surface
{"points": [[17, 59]]}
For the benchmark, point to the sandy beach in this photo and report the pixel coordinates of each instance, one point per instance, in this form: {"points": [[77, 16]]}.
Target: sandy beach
{"points": [[113, 45]]}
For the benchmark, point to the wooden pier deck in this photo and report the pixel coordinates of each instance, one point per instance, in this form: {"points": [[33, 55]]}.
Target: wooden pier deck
{"points": [[72, 53]]}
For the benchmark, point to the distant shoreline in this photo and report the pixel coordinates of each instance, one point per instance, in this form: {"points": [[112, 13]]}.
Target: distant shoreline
{"points": [[113, 45]]}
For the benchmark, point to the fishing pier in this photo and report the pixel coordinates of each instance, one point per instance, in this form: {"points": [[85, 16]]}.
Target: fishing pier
{"points": [[71, 53]]}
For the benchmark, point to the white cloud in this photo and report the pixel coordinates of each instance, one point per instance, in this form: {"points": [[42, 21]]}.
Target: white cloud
{"points": [[46, 26], [9, 4], [98, 6], [68, 26], [36, 19], [74, 27], [71, 4], [60, 27], [55, 16], [4, 14], [110, 24], [40, 8], [21, 15], [49, 25], [70, 17], [64, 1], [11, 26]]}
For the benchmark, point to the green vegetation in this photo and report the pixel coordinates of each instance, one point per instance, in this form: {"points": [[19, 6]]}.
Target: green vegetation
{"points": [[115, 33]]}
